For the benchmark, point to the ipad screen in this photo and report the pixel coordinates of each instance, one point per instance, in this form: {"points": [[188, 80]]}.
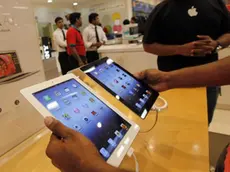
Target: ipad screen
{"points": [[79, 109], [133, 93]]}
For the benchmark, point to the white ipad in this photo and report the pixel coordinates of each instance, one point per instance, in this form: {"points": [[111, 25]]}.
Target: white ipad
{"points": [[77, 106]]}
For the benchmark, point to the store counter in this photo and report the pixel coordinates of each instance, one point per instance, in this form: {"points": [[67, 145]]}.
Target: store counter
{"points": [[178, 143], [130, 56]]}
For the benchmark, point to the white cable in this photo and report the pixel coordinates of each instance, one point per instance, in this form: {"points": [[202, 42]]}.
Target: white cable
{"points": [[160, 108], [130, 154], [136, 162]]}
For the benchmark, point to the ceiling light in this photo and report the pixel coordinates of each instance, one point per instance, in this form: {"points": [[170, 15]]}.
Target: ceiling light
{"points": [[75, 4], [21, 7], [50, 1]]}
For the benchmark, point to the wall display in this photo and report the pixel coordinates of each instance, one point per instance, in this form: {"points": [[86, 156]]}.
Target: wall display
{"points": [[18, 69]]}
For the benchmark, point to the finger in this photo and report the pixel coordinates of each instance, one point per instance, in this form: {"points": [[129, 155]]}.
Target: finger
{"points": [[141, 75], [201, 43], [57, 127], [203, 37], [54, 144], [200, 52]]}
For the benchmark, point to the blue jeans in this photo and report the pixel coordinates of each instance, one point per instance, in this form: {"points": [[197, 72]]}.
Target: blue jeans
{"points": [[212, 97]]}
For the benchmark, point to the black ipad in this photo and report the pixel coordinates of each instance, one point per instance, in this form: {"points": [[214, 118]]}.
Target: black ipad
{"points": [[133, 93]]}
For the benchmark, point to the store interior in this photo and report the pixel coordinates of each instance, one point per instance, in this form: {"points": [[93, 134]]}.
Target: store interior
{"points": [[26, 32]]}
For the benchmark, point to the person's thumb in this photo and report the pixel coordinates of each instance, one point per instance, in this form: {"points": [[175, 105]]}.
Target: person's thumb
{"points": [[56, 127], [140, 75]]}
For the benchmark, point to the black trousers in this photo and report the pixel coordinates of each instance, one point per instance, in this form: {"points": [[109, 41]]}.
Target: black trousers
{"points": [[74, 63], [64, 62], [92, 56]]}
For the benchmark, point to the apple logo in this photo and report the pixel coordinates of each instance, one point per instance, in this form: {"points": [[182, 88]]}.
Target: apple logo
{"points": [[192, 12]]}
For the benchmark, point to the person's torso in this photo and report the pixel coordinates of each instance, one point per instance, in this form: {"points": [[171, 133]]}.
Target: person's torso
{"points": [[80, 47], [181, 21], [58, 33]]}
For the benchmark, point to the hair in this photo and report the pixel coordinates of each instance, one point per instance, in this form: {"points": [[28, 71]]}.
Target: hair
{"points": [[58, 19], [74, 17], [134, 19], [126, 22], [92, 17]]}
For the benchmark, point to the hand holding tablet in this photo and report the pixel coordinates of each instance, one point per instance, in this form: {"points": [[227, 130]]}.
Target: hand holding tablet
{"points": [[75, 105]]}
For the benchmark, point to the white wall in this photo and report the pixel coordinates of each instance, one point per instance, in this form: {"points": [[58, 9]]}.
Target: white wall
{"points": [[105, 9], [18, 122]]}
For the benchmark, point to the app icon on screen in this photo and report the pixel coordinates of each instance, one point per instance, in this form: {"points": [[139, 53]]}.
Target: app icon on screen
{"points": [[117, 70], [67, 90], [116, 81], [85, 106], [148, 92], [94, 113], [104, 153], [77, 127], [74, 85], [123, 126], [118, 134], [138, 85], [53, 106], [112, 142], [66, 116], [47, 98], [83, 93], [123, 86], [124, 75], [86, 119], [106, 67], [91, 100], [127, 83], [57, 93], [101, 108], [138, 105], [131, 92], [145, 96], [137, 90], [76, 110], [142, 101], [120, 78], [95, 73], [74, 96], [67, 102]]}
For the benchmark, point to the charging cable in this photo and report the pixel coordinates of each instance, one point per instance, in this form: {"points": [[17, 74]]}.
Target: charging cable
{"points": [[130, 154], [160, 108]]}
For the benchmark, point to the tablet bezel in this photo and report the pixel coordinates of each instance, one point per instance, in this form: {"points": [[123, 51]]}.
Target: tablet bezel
{"points": [[121, 150], [149, 104]]}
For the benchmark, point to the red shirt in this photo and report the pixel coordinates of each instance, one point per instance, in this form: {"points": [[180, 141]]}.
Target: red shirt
{"points": [[75, 39]]}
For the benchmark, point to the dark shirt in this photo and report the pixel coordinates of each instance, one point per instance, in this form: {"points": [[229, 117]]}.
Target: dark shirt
{"points": [[170, 23]]}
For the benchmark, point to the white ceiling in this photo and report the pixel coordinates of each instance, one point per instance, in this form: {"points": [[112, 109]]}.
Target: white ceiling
{"points": [[57, 1]]}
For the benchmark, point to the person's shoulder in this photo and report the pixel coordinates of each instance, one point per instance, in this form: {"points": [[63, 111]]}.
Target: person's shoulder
{"points": [[55, 32]]}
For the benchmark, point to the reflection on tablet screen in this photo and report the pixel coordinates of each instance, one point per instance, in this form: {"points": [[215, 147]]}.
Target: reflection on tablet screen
{"points": [[77, 108]]}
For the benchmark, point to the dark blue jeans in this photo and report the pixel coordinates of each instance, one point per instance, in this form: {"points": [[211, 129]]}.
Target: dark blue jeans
{"points": [[212, 96]]}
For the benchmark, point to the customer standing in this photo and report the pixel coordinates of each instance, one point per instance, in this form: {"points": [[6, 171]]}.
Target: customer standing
{"points": [[76, 48], [187, 33], [94, 37], [59, 37]]}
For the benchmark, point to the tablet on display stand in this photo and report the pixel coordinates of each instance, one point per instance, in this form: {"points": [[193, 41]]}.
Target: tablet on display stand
{"points": [[133, 93], [77, 106]]}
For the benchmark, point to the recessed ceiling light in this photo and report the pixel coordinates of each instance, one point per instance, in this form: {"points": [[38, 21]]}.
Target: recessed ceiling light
{"points": [[50, 1], [75, 4], [21, 7]]}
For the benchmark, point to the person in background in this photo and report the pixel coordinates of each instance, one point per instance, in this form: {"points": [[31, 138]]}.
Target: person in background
{"points": [[76, 48], [126, 22], [59, 37], [183, 35], [94, 37], [76, 152], [133, 20]]}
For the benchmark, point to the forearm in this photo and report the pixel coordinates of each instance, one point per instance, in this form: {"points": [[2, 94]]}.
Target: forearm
{"points": [[213, 74], [75, 54], [224, 40], [162, 50]]}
